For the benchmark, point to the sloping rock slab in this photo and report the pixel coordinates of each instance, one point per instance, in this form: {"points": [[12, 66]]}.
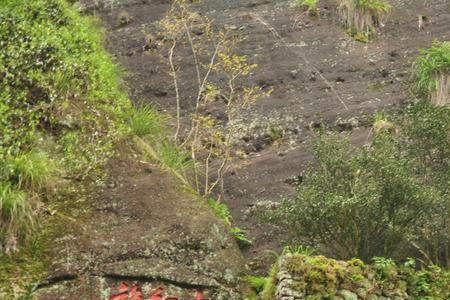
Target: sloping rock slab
{"points": [[143, 228]]}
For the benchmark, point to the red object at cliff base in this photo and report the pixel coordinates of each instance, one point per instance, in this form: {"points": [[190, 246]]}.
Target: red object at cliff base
{"points": [[157, 294], [135, 293], [199, 295], [125, 293]]}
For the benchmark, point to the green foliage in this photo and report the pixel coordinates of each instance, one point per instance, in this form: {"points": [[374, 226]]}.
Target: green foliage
{"points": [[55, 74], [276, 134], [240, 236], [362, 17], [31, 170], [145, 120], [59, 93], [385, 267], [221, 210], [173, 157], [379, 6], [319, 277], [429, 283], [360, 203], [14, 209], [257, 282], [311, 5], [381, 199], [431, 63]]}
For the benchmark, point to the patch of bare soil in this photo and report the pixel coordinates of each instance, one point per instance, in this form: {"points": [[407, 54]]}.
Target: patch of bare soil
{"points": [[142, 227], [318, 73]]}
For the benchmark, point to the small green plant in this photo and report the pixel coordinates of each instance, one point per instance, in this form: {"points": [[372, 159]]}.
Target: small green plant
{"points": [[145, 120], [276, 134], [257, 282], [240, 236], [386, 267], [14, 210], [309, 5], [362, 17], [221, 210]]}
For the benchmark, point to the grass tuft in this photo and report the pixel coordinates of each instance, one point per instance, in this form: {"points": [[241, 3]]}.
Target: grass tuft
{"points": [[432, 70], [145, 120], [362, 17], [13, 210], [31, 170]]}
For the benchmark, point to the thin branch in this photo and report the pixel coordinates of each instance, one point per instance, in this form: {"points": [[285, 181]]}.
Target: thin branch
{"points": [[177, 92]]}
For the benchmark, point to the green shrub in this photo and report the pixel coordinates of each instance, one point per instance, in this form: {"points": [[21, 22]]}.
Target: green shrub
{"points": [[359, 202], [383, 198]]}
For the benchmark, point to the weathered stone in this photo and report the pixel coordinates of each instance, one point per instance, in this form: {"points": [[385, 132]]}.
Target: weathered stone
{"points": [[347, 295]]}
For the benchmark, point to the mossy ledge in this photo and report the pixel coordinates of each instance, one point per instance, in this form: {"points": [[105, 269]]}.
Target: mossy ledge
{"points": [[317, 277]]}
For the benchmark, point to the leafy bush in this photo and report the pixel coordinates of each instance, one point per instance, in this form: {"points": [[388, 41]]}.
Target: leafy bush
{"points": [[359, 202], [381, 199]]}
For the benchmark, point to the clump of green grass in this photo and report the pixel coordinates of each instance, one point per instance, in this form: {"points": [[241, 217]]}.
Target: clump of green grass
{"points": [[145, 120], [362, 17], [433, 73], [29, 170], [22, 178], [13, 209], [173, 157]]}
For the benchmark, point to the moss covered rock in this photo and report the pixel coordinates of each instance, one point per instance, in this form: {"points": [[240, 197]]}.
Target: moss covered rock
{"points": [[317, 277]]}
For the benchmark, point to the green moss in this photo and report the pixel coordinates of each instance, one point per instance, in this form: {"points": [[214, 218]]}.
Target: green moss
{"points": [[319, 277], [358, 35], [356, 262]]}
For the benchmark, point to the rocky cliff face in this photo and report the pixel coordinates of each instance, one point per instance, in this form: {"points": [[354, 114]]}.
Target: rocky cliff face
{"points": [[320, 76], [142, 228]]}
